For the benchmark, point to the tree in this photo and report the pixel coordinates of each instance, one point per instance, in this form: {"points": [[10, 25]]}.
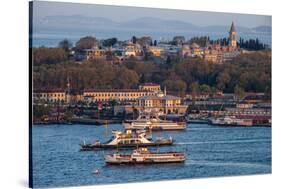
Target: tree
{"points": [[168, 60], [205, 89], [178, 40], [178, 86], [134, 39], [86, 43], [239, 92], [43, 55], [65, 44], [155, 43], [41, 110], [202, 41], [194, 88], [68, 115], [144, 41], [222, 80], [109, 42]]}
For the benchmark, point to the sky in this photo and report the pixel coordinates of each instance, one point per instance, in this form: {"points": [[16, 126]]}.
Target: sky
{"points": [[123, 14]]}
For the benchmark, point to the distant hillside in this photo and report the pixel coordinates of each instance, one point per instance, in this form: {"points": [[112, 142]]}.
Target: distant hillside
{"points": [[78, 22]]}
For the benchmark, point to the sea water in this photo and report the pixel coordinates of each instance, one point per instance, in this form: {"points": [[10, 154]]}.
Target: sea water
{"points": [[211, 151]]}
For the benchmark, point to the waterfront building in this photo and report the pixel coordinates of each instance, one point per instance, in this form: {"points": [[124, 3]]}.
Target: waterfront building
{"points": [[161, 103], [103, 95], [50, 95]]}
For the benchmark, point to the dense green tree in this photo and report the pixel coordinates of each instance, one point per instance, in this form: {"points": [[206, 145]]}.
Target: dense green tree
{"points": [[134, 39], [41, 110], [65, 45], [86, 43], [155, 43], [109, 42], [43, 55], [239, 92], [251, 72], [178, 86], [202, 41], [144, 41], [194, 88], [205, 89], [178, 40]]}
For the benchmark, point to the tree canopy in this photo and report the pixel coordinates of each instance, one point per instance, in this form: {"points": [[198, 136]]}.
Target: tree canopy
{"points": [[86, 43]]}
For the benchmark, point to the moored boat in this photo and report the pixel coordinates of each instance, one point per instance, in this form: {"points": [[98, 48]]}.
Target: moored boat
{"points": [[144, 156], [231, 121], [127, 139], [153, 123]]}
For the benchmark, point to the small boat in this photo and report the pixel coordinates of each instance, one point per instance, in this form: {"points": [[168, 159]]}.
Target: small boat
{"points": [[144, 156], [127, 139], [153, 122]]}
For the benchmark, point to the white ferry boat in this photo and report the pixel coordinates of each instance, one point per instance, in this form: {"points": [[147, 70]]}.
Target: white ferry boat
{"points": [[127, 139], [231, 121], [149, 122], [144, 156]]}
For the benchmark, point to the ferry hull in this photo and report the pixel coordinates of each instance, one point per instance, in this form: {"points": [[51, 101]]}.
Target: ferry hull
{"points": [[89, 147], [155, 128], [145, 158], [142, 162]]}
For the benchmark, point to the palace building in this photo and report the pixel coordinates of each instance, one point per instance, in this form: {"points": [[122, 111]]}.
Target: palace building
{"points": [[162, 103], [91, 54], [102, 95], [50, 95]]}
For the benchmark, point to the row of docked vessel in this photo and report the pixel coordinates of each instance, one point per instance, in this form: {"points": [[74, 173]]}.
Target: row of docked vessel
{"points": [[225, 120], [137, 135]]}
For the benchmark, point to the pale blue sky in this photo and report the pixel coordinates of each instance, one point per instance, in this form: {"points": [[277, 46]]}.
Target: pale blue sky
{"points": [[122, 14]]}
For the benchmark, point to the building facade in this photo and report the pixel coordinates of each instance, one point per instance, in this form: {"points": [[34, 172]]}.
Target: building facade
{"points": [[49, 95], [161, 103], [150, 87], [103, 95], [90, 54]]}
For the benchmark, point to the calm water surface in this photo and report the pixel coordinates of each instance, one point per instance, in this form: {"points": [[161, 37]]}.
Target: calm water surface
{"points": [[211, 151]]}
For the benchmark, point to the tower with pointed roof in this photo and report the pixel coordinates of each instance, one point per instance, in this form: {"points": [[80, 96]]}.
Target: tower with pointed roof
{"points": [[232, 36]]}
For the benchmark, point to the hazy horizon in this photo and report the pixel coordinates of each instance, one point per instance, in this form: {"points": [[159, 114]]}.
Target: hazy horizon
{"points": [[124, 14]]}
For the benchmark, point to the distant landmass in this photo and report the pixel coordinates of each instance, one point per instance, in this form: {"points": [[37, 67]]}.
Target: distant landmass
{"points": [[78, 22], [73, 27]]}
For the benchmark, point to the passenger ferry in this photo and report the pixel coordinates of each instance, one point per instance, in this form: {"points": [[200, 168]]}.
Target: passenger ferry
{"points": [[231, 121], [129, 138], [150, 122], [144, 156]]}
